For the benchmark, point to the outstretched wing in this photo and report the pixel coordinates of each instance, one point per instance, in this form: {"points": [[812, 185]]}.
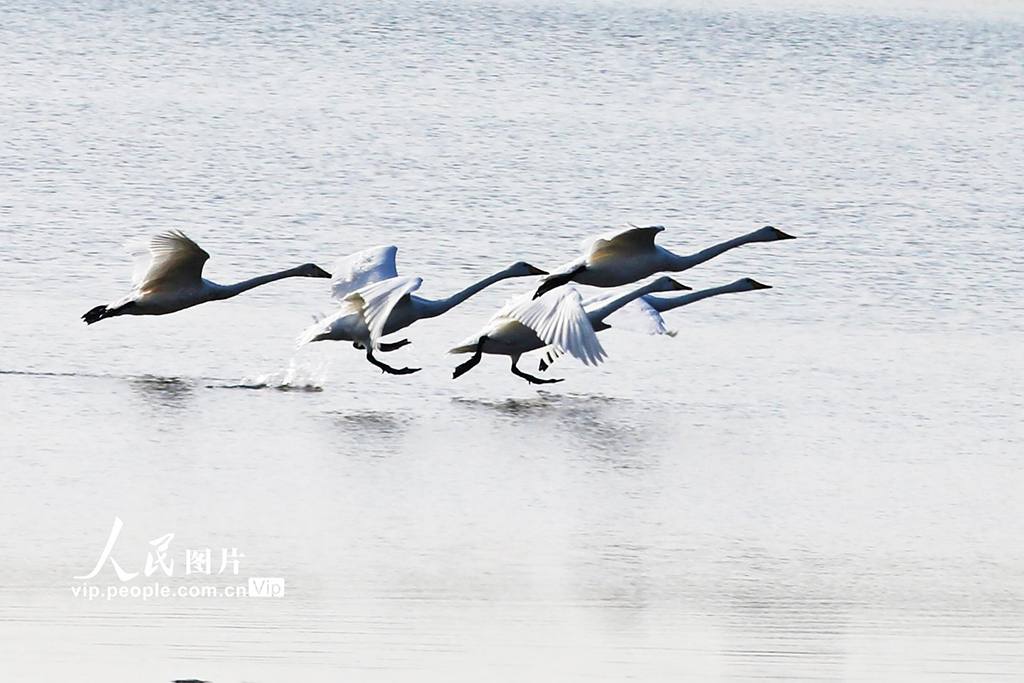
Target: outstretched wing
{"points": [[636, 316], [558, 318], [621, 242], [363, 268], [518, 300], [175, 261], [548, 356], [377, 301]]}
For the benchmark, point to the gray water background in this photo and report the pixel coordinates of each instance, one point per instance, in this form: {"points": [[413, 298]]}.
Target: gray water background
{"points": [[821, 481]]}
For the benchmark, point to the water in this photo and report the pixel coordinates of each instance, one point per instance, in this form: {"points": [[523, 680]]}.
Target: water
{"points": [[820, 481]]}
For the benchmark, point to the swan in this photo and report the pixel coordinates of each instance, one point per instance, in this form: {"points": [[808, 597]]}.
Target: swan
{"points": [[646, 311], [168, 277], [375, 302], [625, 256], [557, 319]]}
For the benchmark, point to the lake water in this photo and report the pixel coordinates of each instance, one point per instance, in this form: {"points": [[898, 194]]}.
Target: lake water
{"points": [[821, 481]]}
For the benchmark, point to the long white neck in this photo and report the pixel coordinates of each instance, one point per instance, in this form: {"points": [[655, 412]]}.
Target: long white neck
{"points": [[677, 263], [228, 291], [431, 308], [598, 315], [662, 304]]}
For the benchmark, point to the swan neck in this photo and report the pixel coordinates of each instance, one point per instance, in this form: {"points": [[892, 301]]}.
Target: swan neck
{"points": [[685, 262], [436, 307], [228, 291], [599, 314], [667, 303]]}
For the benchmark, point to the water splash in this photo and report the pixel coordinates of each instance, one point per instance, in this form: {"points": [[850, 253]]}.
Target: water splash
{"points": [[298, 376]]}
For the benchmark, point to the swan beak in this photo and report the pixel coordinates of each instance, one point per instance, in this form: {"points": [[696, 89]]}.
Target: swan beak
{"points": [[754, 284], [679, 285], [320, 272], [536, 271], [779, 235]]}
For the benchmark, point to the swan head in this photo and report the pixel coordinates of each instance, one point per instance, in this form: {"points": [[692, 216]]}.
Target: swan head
{"points": [[667, 284], [770, 234], [751, 283], [312, 270], [523, 269]]}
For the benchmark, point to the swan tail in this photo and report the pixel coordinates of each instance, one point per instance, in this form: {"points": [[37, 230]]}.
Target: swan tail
{"points": [[462, 348], [311, 334]]}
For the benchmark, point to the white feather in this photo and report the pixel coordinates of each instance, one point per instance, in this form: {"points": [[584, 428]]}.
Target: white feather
{"points": [[636, 316], [174, 262], [558, 319], [363, 268], [631, 238], [377, 301]]}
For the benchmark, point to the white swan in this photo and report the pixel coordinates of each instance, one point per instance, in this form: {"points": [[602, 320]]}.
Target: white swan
{"points": [[645, 311], [557, 319], [376, 302], [168, 277], [625, 256]]}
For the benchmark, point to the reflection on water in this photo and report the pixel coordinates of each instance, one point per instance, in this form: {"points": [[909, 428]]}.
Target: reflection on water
{"points": [[163, 392], [367, 432], [606, 427], [540, 405], [373, 421]]}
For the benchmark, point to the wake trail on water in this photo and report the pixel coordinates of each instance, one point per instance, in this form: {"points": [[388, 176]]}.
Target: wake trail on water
{"points": [[296, 376]]}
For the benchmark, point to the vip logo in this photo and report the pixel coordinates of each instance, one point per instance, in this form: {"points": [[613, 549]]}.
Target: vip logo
{"points": [[266, 588]]}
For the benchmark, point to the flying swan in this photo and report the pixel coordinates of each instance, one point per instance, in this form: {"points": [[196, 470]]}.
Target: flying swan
{"points": [[375, 302], [625, 256], [557, 319], [168, 277], [644, 313]]}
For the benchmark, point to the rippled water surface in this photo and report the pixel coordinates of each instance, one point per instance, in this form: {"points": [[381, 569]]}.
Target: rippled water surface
{"points": [[821, 481]]}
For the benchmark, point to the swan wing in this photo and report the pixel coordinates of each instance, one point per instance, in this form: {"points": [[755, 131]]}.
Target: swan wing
{"points": [[558, 318], [518, 300], [174, 261], [548, 356], [629, 241], [636, 316], [377, 301], [363, 268], [141, 258]]}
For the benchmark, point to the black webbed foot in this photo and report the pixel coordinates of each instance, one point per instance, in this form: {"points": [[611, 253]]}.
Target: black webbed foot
{"points": [[528, 377], [385, 368]]}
